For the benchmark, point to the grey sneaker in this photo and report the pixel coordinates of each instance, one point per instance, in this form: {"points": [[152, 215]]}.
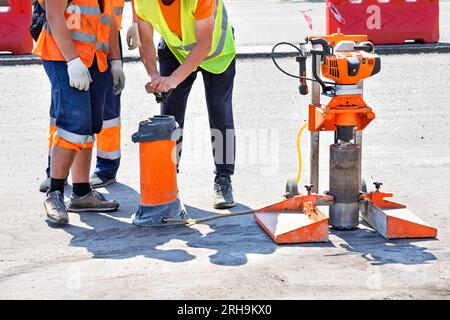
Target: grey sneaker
{"points": [[223, 193], [56, 208], [45, 185], [97, 181], [93, 201]]}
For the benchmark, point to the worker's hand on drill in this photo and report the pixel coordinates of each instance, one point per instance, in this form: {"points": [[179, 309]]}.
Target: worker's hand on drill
{"points": [[133, 36], [118, 76], [79, 76], [148, 85], [159, 84]]}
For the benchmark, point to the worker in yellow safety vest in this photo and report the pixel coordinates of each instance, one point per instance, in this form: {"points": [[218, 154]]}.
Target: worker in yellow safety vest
{"points": [[108, 140], [197, 36], [79, 47]]}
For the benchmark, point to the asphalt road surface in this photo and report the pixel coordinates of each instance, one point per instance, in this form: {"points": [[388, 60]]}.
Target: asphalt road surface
{"points": [[104, 256]]}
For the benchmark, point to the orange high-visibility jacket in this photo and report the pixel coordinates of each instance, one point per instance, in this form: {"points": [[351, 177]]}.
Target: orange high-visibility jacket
{"points": [[90, 28], [118, 12]]}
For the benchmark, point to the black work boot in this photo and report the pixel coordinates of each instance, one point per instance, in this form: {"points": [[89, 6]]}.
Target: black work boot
{"points": [[223, 192]]}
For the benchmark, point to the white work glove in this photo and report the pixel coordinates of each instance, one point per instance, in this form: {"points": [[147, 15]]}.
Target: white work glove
{"points": [[79, 75], [133, 36], [118, 76]]}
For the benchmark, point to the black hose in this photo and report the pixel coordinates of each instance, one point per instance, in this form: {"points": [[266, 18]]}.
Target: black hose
{"points": [[275, 62], [290, 74], [324, 43], [316, 76]]}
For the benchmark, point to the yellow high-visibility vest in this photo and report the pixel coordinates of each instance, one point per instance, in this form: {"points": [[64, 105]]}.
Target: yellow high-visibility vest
{"points": [[223, 49]]}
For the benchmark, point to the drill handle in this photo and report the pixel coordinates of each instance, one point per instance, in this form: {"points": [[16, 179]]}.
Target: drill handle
{"points": [[326, 47], [303, 88], [365, 46], [162, 97]]}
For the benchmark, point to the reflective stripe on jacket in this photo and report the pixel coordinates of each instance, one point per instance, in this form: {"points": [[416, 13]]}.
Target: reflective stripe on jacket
{"points": [[90, 30], [118, 12], [222, 47]]}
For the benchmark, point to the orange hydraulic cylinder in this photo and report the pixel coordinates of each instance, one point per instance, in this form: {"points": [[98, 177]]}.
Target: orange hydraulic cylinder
{"points": [[157, 138], [158, 172]]}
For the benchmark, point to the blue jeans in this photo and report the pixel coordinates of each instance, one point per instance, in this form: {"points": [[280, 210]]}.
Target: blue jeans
{"points": [[219, 94], [108, 163]]}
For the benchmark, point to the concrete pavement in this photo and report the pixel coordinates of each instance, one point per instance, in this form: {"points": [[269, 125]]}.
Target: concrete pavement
{"points": [[104, 256]]}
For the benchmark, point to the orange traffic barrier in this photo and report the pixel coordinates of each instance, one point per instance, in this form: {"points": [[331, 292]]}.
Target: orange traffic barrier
{"points": [[14, 28], [385, 21], [158, 172]]}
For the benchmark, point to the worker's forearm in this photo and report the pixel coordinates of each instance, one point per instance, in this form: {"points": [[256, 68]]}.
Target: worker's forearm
{"points": [[192, 61], [147, 49], [114, 49], [62, 35], [134, 17], [148, 56]]}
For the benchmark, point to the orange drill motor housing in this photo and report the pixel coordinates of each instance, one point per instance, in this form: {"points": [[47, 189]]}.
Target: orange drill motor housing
{"points": [[347, 61], [349, 64]]}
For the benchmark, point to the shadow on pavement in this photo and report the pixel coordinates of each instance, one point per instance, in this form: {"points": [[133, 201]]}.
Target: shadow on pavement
{"points": [[379, 251], [128, 198], [112, 236]]}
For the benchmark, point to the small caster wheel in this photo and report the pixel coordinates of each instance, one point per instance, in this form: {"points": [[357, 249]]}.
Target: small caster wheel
{"points": [[363, 185], [291, 188], [367, 182]]}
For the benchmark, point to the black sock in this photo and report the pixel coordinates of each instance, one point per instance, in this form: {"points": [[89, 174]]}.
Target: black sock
{"points": [[81, 189], [57, 185]]}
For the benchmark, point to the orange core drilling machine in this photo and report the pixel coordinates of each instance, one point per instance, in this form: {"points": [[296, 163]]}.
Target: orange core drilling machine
{"points": [[346, 60]]}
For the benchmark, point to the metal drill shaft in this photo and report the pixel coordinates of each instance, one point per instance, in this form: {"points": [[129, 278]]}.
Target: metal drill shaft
{"points": [[344, 185]]}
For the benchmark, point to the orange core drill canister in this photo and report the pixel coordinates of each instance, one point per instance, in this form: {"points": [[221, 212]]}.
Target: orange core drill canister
{"points": [[158, 166]]}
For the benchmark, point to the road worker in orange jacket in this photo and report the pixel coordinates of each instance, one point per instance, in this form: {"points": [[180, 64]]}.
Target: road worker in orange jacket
{"points": [[80, 49], [108, 140]]}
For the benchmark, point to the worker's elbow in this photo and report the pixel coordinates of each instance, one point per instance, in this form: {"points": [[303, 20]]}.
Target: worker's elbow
{"points": [[206, 50], [50, 17], [206, 45]]}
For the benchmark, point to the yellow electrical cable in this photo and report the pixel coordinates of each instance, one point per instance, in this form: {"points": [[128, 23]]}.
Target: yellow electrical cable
{"points": [[233, 214], [299, 152]]}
